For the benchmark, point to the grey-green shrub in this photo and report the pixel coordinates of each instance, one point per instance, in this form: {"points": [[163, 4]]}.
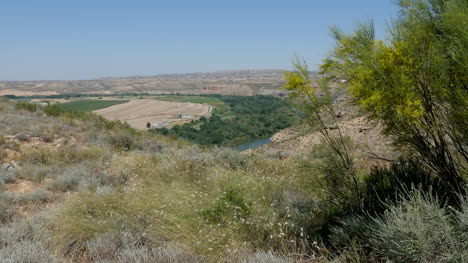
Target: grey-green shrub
{"points": [[37, 196], [264, 257], [37, 173], [21, 241], [7, 177], [418, 229], [8, 211], [128, 247], [66, 182]]}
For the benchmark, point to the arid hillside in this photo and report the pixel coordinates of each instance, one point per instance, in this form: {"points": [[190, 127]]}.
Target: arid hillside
{"points": [[244, 82]]}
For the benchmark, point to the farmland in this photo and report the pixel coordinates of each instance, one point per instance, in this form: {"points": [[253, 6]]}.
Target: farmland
{"points": [[90, 105], [139, 112]]}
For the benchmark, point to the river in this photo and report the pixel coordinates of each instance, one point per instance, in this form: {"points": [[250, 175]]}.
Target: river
{"points": [[252, 144]]}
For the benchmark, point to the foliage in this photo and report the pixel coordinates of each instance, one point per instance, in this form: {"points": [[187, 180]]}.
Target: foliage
{"points": [[122, 141], [415, 82], [194, 99], [247, 119], [231, 201], [24, 105], [386, 184]]}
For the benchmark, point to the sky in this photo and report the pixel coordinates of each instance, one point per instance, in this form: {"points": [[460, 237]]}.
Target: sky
{"points": [[85, 39]]}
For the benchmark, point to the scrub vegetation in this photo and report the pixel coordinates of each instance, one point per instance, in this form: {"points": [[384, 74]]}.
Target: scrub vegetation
{"points": [[76, 187]]}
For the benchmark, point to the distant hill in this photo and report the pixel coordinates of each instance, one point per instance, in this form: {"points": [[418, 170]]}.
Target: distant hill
{"points": [[238, 82]]}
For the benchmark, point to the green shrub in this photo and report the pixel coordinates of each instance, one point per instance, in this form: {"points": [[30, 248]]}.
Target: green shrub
{"points": [[53, 110], [231, 203], [23, 105], [123, 141], [385, 184]]}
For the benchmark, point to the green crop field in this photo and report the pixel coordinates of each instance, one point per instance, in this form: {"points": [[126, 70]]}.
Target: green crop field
{"points": [[90, 105], [193, 99]]}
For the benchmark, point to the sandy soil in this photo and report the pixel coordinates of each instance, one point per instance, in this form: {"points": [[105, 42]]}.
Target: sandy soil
{"points": [[21, 186], [139, 112]]}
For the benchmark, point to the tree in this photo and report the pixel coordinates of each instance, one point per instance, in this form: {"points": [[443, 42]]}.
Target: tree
{"points": [[148, 125], [415, 82]]}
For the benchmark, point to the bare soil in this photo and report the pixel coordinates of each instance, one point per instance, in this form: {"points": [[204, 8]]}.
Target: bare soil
{"points": [[139, 112]]}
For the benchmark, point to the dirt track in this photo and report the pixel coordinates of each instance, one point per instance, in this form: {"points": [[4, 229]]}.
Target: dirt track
{"points": [[139, 112]]}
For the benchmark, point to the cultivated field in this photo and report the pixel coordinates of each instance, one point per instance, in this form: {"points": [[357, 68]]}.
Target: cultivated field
{"points": [[91, 105], [139, 112]]}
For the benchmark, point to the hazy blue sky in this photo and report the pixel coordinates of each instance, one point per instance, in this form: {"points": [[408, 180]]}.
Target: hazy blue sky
{"points": [[42, 39]]}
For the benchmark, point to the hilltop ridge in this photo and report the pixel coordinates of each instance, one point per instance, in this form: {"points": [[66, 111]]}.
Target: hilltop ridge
{"points": [[235, 82]]}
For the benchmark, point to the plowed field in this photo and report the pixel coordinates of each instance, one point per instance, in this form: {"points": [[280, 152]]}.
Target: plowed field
{"points": [[139, 112]]}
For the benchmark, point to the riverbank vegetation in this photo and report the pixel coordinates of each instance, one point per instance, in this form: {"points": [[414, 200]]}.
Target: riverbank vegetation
{"points": [[239, 120]]}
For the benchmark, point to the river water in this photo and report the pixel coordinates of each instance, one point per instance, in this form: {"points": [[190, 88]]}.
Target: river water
{"points": [[252, 144]]}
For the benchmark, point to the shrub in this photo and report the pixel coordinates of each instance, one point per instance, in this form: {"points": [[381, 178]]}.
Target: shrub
{"points": [[65, 182], [24, 105], [41, 156], [21, 242], [232, 203], [74, 155], [26, 251], [23, 137], [264, 257], [7, 177], [418, 229], [37, 173], [37, 196], [123, 141], [349, 231], [53, 110], [152, 147], [384, 184], [8, 213]]}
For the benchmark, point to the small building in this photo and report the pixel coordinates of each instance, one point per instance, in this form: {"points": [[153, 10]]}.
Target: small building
{"points": [[160, 125]]}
